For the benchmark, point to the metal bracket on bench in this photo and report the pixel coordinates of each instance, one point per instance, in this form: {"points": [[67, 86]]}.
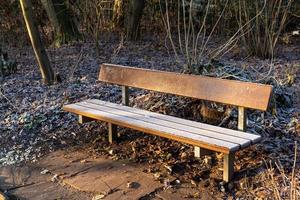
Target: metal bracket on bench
{"points": [[125, 95], [198, 152], [242, 119], [228, 166], [84, 119], [112, 132]]}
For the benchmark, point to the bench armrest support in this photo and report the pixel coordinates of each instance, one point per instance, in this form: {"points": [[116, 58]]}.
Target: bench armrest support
{"points": [[125, 95], [242, 119]]}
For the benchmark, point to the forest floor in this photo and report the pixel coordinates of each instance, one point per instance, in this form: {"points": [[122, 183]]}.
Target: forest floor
{"points": [[32, 123]]}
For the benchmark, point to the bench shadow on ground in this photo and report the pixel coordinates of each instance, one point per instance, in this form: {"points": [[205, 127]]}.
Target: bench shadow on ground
{"points": [[245, 171]]}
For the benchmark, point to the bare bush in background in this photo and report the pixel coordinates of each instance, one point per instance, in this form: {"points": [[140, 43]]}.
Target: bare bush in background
{"points": [[193, 32], [261, 35], [257, 25]]}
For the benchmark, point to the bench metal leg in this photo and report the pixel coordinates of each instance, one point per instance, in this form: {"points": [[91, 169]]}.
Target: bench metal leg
{"points": [[84, 119], [112, 132], [125, 95], [228, 168], [242, 119], [198, 152]]}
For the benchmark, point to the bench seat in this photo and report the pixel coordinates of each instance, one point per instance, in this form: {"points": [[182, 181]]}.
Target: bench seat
{"points": [[195, 133]]}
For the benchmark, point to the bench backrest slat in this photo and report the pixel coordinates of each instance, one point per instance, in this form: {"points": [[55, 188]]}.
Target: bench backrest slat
{"points": [[232, 92]]}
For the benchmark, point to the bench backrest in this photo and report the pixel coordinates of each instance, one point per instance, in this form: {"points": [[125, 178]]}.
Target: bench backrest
{"points": [[232, 92]]}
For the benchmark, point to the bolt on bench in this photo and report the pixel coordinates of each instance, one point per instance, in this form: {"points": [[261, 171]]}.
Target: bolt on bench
{"points": [[204, 137]]}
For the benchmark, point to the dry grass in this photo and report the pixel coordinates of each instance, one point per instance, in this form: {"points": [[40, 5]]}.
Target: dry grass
{"points": [[283, 183]]}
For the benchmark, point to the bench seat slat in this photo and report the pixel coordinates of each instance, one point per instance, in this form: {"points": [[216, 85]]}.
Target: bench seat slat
{"points": [[127, 121], [119, 109], [201, 126]]}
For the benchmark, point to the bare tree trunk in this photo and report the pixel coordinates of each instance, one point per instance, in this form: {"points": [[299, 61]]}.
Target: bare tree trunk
{"points": [[49, 7], [135, 14], [62, 20], [38, 47]]}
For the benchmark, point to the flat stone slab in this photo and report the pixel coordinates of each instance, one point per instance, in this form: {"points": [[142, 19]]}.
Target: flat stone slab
{"points": [[81, 173], [26, 182], [114, 179]]}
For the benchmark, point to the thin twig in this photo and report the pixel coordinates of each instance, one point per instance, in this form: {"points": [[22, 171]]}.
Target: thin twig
{"points": [[293, 182], [8, 100]]}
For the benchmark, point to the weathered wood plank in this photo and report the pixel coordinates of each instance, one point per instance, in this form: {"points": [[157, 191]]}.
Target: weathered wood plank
{"points": [[238, 93], [191, 130], [225, 131], [125, 121], [228, 169]]}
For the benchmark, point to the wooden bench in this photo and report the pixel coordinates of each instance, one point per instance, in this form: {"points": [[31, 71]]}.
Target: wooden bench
{"points": [[204, 137]]}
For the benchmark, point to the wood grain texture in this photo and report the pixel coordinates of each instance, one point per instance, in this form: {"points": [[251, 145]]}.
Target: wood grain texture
{"points": [[237, 93]]}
